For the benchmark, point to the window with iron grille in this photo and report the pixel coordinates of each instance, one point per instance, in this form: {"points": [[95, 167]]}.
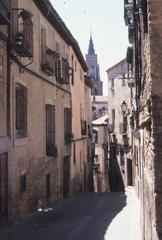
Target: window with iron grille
{"points": [[50, 131], [67, 125], [21, 110], [62, 70]]}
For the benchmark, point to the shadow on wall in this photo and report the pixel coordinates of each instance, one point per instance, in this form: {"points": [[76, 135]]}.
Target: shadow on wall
{"points": [[115, 177], [85, 217]]}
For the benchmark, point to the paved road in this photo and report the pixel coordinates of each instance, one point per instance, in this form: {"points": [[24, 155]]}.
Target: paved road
{"points": [[95, 216]]}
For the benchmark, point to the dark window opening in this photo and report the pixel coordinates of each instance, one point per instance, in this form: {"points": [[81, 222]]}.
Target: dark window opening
{"points": [[21, 111], [67, 125], [23, 183], [51, 149]]}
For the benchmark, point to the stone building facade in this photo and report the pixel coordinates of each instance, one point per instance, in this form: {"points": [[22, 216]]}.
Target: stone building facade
{"points": [[100, 166], [93, 69], [143, 19], [4, 111], [42, 111], [99, 106], [120, 162]]}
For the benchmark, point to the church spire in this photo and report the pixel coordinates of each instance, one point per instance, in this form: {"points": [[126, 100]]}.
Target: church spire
{"points": [[91, 47]]}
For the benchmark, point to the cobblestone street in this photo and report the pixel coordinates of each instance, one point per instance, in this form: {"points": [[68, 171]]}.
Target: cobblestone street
{"points": [[93, 216]]}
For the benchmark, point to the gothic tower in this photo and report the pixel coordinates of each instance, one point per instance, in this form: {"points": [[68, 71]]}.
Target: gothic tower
{"points": [[93, 68]]}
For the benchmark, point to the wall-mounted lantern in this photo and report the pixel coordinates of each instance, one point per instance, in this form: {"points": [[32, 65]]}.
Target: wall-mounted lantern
{"points": [[124, 106]]}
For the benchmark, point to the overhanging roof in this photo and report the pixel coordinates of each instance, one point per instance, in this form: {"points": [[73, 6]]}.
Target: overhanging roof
{"points": [[52, 16]]}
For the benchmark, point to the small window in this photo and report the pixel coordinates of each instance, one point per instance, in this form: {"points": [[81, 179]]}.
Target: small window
{"points": [[96, 159], [23, 183], [48, 185], [21, 111], [96, 137], [74, 153], [112, 84], [72, 69], [57, 47], [75, 66], [123, 81]]}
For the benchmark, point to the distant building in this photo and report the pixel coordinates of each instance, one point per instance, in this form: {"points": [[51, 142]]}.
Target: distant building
{"points": [[93, 68], [99, 106], [100, 167], [120, 162]]}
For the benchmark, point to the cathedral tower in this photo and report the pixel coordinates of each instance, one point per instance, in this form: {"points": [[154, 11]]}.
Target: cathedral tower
{"points": [[93, 68]]}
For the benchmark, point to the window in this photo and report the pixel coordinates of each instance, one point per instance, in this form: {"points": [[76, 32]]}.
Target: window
{"points": [[57, 47], [21, 111], [62, 70], [122, 161], [74, 153], [47, 55], [96, 137], [96, 159], [23, 183], [48, 185], [112, 84], [113, 119], [72, 64], [123, 80], [75, 66], [67, 125], [50, 131]]}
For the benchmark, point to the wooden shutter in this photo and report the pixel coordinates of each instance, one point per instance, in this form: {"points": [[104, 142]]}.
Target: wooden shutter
{"points": [[43, 45]]}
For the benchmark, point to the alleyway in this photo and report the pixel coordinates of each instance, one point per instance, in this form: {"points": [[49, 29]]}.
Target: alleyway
{"points": [[96, 216]]}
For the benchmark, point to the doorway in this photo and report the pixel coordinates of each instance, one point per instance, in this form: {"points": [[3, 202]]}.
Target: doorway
{"points": [[66, 176], [4, 184], [129, 172]]}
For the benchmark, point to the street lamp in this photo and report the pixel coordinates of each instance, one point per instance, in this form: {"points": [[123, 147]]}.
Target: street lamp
{"points": [[124, 106]]}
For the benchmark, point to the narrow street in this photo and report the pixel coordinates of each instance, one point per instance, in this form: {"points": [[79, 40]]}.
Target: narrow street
{"points": [[96, 216]]}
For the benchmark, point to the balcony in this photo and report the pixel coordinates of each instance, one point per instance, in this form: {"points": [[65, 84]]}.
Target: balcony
{"points": [[22, 33], [48, 60], [5, 12], [62, 70]]}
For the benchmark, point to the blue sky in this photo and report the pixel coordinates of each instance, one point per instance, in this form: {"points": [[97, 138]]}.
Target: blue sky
{"points": [[104, 19]]}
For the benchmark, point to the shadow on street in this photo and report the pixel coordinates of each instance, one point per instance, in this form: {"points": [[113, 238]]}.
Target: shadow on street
{"points": [[85, 217]]}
